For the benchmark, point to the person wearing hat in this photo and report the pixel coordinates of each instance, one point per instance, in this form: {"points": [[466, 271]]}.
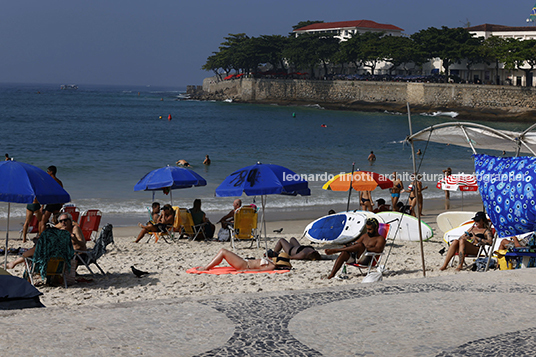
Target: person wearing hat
{"points": [[382, 207], [470, 241], [282, 262], [370, 241]]}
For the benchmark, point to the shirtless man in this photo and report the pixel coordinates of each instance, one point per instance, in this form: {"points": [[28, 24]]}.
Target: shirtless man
{"points": [[166, 218], [366, 200], [398, 186], [183, 163], [371, 158], [50, 209], [371, 241], [419, 193], [65, 222], [229, 217], [206, 161]]}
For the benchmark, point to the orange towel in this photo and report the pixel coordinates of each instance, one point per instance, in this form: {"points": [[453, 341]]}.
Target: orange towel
{"points": [[231, 270]]}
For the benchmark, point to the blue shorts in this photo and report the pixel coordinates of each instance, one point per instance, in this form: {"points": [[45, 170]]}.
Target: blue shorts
{"points": [[395, 195]]}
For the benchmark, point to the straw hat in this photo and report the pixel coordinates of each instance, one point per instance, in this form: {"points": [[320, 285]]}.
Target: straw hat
{"points": [[282, 261]]}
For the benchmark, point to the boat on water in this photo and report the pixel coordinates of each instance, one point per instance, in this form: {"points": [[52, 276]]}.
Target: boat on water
{"points": [[68, 87]]}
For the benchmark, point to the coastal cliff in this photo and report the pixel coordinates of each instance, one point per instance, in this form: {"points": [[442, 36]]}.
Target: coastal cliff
{"points": [[470, 101]]}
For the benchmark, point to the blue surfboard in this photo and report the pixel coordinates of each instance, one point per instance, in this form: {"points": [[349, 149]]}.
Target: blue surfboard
{"points": [[337, 228]]}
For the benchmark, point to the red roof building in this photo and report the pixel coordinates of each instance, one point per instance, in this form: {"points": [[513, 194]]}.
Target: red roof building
{"points": [[345, 29]]}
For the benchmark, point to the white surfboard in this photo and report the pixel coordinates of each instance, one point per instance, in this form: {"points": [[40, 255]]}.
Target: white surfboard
{"points": [[457, 232], [405, 227], [340, 228], [452, 219]]}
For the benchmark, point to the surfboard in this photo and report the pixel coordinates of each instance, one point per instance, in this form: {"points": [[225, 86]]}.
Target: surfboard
{"points": [[340, 228], [452, 219], [405, 227], [456, 232]]}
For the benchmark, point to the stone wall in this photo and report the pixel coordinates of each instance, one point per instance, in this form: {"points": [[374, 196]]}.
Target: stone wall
{"points": [[472, 98]]}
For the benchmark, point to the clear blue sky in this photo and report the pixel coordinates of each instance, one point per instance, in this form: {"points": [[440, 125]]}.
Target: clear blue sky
{"points": [[165, 42]]}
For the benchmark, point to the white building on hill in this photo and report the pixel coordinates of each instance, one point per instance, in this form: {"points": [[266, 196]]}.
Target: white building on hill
{"points": [[345, 29]]}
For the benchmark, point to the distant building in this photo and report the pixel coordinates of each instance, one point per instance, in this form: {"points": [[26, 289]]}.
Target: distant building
{"points": [[484, 73], [345, 29]]}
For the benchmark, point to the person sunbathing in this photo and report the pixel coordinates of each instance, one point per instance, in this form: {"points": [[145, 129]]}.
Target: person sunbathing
{"points": [[295, 250], [165, 220], [264, 264], [370, 241], [470, 241]]}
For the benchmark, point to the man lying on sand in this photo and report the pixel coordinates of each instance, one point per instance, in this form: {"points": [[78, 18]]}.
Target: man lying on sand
{"points": [[371, 241], [264, 264]]}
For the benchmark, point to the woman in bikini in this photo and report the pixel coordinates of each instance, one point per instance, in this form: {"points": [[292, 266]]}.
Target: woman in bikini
{"points": [[469, 242], [398, 186], [366, 200], [295, 250], [240, 264]]}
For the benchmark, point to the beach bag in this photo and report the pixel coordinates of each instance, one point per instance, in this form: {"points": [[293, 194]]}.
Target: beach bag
{"points": [[224, 235], [480, 264], [503, 263]]}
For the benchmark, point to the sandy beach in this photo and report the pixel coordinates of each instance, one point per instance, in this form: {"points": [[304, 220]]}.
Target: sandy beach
{"points": [[167, 264]]}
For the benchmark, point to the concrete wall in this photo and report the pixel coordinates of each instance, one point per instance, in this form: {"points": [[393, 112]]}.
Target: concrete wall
{"points": [[422, 94]]}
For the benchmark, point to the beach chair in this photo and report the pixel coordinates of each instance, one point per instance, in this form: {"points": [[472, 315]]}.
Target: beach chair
{"points": [[89, 223], [484, 251], [52, 257], [73, 211], [33, 227], [245, 226], [88, 257], [170, 233], [189, 229]]}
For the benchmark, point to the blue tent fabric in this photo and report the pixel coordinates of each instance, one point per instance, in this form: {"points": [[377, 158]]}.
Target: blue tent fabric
{"points": [[261, 179], [21, 183], [171, 177], [17, 293], [508, 189]]}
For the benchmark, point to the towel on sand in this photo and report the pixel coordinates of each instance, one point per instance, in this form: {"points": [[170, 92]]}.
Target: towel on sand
{"points": [[231, 270]]}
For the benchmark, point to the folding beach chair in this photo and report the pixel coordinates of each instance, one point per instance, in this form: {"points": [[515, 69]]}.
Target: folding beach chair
{"points": [[73, 211], [52, 257], [33, 227], [170, 233], [88, 257], [369, 260], [484, 251], [245, 226], [89, 223], [189, 229]]}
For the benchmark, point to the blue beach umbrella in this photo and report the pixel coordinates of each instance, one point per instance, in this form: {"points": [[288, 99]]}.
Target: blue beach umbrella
{"points": [[22, 183], [169, 178], [262, 180]]}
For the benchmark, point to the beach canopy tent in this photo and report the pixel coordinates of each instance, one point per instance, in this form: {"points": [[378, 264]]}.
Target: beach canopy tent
{"points": [[22, 183], [508, 189], [169, 178], [262, 180], [478, 136]]}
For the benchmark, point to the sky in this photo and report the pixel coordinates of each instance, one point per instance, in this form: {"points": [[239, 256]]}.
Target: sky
{"points": [[165, 42]]}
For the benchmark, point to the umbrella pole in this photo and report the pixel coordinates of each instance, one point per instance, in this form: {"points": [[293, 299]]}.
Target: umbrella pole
{"points": [[7, 235], [415, 188], [263, 202], [350, 190]]}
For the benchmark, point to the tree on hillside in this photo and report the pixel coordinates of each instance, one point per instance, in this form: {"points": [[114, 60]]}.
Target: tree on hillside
{"points": [[494, 50], [371, 50], [400, 51], [271, 50], [471, 51], [444, 43], [521, 54], [302, 52]]}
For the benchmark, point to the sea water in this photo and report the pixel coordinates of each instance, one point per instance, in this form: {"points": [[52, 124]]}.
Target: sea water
{"points": [[104, 139]]}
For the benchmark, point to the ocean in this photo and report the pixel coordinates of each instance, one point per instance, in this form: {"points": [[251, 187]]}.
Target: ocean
{"points": [[104, 139]]}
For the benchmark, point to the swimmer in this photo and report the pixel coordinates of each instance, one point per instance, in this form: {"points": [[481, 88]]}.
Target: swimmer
{"points": [[206, 161], [183, 163]]}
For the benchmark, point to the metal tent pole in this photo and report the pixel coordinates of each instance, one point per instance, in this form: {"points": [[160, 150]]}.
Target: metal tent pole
{"points": [[415, 188]]}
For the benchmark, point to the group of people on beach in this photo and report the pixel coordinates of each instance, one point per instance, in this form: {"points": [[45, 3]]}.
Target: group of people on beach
{"points": [[415, 198]]}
